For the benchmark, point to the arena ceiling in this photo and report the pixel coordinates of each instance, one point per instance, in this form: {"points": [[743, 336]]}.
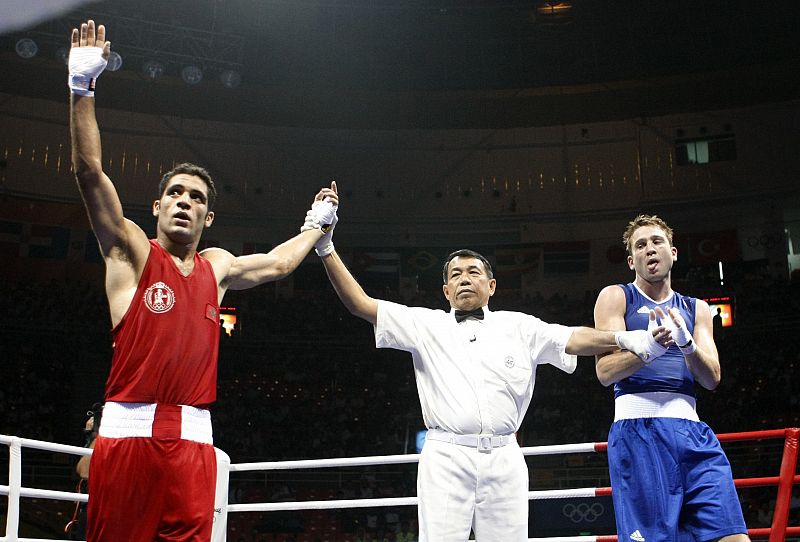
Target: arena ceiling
{"points": [[428, 63]]}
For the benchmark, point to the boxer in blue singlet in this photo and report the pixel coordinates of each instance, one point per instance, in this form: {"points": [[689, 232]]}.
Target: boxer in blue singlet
{"points": [[670, 478]]}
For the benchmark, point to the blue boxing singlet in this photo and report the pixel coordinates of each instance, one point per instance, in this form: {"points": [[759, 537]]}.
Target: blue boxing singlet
{"points": [[669, 372]]}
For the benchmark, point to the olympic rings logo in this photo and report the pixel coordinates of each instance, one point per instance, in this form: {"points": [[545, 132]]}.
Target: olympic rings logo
{"points": [[583, 512], [766, 241]]}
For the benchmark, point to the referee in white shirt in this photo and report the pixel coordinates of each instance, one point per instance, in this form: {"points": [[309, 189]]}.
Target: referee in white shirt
{"points": [[475, 373]]}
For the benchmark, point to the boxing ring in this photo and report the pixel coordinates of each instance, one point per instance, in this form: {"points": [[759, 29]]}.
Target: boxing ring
{"points": [[778, 530]]}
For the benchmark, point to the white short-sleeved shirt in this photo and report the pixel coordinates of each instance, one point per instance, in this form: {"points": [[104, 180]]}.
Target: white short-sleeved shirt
{"points": [[476, 376]]}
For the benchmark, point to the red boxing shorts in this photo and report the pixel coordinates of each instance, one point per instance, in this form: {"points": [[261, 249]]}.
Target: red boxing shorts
{"points": [[156, 486]]}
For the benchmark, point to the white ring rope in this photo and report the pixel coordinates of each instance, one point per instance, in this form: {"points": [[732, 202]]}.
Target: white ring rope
{"points": [[554, 449], [322, 505], [326, 463], [34, 493], [306, 464], [557, 449], [391, 501], [547, 494], [47, 446]]}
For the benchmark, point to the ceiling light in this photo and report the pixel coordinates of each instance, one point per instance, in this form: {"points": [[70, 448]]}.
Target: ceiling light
{"points": [[553, 8], [26, 48], [114, 61], [191, 75], [554, 13], [230, 78], [153, 69], [62, 55]]}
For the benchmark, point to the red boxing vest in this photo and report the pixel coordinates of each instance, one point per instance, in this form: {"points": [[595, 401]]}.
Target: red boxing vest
{"points": [[167, 344]]}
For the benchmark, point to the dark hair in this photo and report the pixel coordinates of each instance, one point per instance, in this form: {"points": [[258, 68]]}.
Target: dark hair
{"points": [[190, 169], [469, 254]]}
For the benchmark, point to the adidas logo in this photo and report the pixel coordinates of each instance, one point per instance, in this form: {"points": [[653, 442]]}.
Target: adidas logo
{"points": [[644, 309], [637, 536]]}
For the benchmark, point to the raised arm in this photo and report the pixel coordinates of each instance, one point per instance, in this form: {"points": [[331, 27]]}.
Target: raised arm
{"points": [[88, 56], [239, 273], [349, 290], [122, 243]]}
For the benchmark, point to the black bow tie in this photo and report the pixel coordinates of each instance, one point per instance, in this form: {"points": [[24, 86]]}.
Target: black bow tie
{"points": [[463, 315]]}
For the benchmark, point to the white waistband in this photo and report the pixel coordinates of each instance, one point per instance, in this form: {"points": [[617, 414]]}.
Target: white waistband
{"points": [[125, 420], [483, 443], [656, 404]]}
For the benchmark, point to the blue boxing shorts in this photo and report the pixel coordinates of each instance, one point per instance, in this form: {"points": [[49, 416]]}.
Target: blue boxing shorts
{"points": [[671, 482]]}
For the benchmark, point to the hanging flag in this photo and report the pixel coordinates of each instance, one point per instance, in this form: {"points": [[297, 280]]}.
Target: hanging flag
{"points": [[376, 267], [713, 247], [517, 260], [512, 263], [423, 267]]}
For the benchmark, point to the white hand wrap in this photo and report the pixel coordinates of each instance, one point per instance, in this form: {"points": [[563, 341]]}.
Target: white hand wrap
{"points": [[641, 342], [85, 66], [322, 216], [311, 222], [680, 334], [324, 246]]}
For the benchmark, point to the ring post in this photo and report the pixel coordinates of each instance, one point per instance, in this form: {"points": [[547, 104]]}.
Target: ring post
{"points": [[780, 519], [220, 528], [14, 484]]}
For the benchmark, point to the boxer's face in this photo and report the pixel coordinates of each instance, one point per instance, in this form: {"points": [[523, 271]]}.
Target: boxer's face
{"points": [[651, 254], [182, 210]]}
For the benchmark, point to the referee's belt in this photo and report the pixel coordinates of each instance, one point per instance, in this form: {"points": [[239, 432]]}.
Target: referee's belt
{"points": [[483, 442]]}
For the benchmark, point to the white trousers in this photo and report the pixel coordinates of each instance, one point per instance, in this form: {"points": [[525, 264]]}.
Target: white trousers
{"points": [[460, 488]]}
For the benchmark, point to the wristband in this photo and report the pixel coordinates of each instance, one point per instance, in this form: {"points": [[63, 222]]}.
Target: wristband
{"points": [[324, 250], [311, 222], [82, 85], [324, 246], [688, 348]]}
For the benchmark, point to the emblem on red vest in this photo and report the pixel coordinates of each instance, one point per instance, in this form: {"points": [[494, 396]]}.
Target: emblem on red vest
{"points": [[159, 298]]}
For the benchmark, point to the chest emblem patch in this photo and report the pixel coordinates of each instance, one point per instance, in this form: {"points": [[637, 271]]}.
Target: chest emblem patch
{"points": [[159, 298], [509, 361]]}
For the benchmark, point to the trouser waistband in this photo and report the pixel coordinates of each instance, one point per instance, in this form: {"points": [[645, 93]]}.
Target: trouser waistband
{"points": [[482, 442], [126, 420], [655, 404]]}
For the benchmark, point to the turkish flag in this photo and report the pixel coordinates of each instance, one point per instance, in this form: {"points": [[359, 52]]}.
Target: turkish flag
{"points": [[712, 247]]}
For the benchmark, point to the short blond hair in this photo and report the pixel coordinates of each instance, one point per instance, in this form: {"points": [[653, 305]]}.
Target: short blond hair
{"points": [[644, 220]]}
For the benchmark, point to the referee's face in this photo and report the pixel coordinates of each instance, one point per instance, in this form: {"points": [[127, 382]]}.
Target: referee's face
{"points": [[468, 285]]}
